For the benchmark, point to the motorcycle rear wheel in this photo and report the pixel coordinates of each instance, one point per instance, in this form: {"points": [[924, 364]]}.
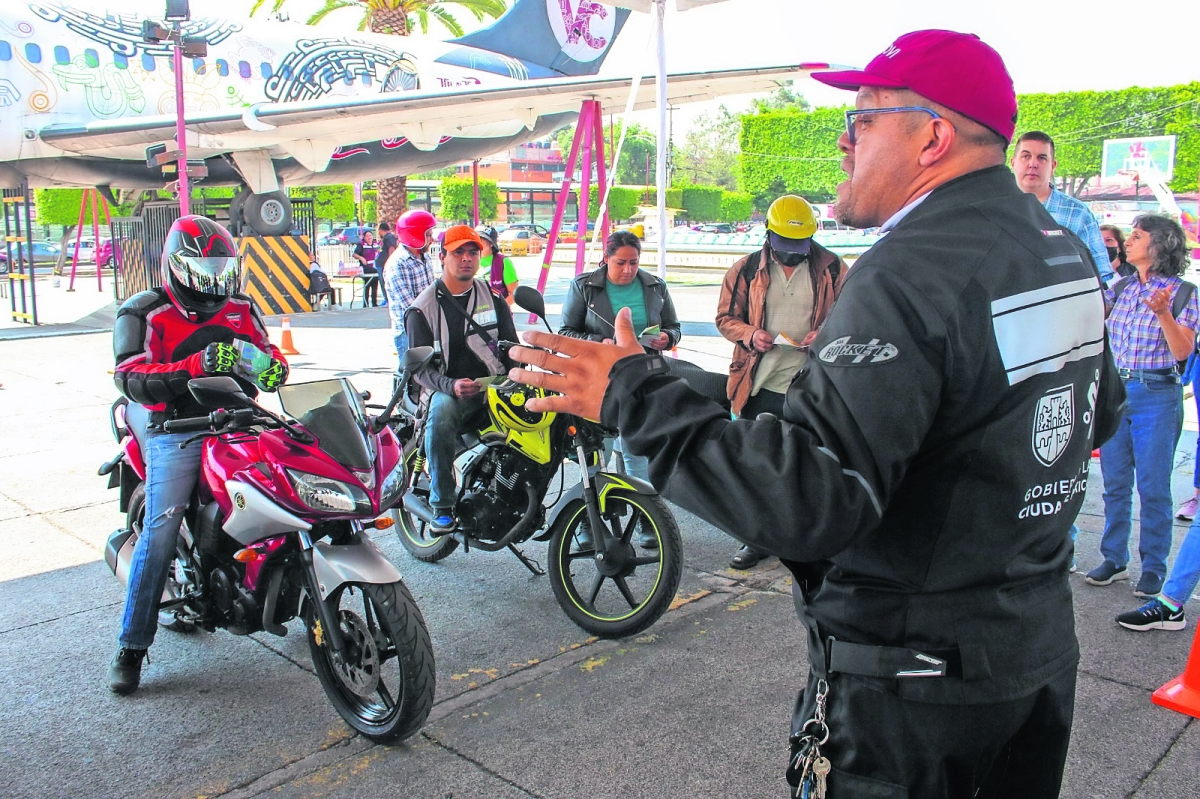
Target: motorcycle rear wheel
{"points": [[629, 594], [135, 519], [414, 534], [385, 688]]}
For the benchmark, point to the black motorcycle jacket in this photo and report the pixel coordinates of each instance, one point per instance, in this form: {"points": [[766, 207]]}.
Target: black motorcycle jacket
{"points": [[932, 455]]}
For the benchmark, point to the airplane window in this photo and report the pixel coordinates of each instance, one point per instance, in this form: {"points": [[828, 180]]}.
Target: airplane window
{"points": [[61, 55], [91, 58], [265, 69], [33, 53], [148, 62], [244, 69], [222, 67], [198, 66], [122, 61], [5, 51]]}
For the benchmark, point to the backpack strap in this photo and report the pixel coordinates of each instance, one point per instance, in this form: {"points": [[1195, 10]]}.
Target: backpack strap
{"points": [[749, 270], [1182, 297]]}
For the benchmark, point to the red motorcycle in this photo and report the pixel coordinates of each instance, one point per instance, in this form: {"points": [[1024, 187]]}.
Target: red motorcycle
{"points": [[275, 530]]}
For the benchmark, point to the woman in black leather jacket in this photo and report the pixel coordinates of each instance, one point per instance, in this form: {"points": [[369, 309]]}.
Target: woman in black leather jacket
{"points": [[594, 297]]}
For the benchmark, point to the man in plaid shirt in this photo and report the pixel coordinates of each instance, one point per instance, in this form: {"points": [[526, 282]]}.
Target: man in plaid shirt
{"points": [[1033, 163], [408, 271]]}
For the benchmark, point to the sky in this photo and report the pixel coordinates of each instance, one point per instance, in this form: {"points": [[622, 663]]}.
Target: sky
{"points": [[1050, 46]]}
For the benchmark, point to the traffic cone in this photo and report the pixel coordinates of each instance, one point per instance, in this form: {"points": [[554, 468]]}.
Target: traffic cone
{"points": [[1182, 694], [286, 346]]}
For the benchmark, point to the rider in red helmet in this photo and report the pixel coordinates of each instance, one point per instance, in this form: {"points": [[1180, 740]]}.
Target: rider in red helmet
{"points": [[409, 270], [162, 338]]}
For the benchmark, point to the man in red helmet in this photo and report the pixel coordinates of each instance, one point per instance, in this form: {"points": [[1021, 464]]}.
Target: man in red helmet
{"points": [[409, 270], [163, 338]]}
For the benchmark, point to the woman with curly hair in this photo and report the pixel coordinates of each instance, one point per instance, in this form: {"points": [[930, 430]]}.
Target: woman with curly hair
{"points": [[1148, 341]]}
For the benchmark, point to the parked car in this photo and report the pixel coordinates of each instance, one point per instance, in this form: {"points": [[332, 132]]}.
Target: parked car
{"points": [[107, 253], [569, 232], [538, 229], [517, 241], [722, 227], [43, 253], [347, 234], [87, 251]]}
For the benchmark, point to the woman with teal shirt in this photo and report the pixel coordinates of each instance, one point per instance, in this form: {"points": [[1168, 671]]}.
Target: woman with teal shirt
{"points": [[590, 312]]}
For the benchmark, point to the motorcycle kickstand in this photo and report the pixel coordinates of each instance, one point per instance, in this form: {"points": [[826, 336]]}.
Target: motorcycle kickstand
{"points": [[532, 565]]}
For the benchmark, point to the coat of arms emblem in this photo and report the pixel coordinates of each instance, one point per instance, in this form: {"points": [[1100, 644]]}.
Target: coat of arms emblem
{"points": [[1053, 422]]}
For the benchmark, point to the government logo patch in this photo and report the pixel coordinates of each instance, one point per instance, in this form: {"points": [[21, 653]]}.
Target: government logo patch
{"points": [[1053, 422]]}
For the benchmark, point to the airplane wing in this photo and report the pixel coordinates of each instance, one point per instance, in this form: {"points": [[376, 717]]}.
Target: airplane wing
{"points": [[311, 131]]}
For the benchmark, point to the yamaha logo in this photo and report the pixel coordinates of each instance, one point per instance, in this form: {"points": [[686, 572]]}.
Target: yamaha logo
{"points": [[239, 501], [1053, 422], [849, 352], [583, 28]]}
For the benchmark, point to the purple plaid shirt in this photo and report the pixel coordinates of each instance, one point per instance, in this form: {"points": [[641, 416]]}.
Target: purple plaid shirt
{"points": [[1136, 337]]}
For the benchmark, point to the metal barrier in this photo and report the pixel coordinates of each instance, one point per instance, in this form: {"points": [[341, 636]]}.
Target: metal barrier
{"points": [[277, 275], [18, 224]]}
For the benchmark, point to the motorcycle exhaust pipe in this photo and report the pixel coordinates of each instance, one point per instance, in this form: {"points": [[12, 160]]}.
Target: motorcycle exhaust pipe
{"points": [[418, 507], [118, 553]]}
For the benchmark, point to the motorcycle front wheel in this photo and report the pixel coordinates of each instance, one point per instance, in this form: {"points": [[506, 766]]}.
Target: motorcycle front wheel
{"points": [[384, 686], [629, 590]]}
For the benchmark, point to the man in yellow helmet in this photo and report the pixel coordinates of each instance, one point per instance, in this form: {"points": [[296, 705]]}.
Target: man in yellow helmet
{"points": [[772, 303]]}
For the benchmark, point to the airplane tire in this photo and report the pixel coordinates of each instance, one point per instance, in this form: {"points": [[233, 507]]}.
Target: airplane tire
{"points": [[268, 214]]}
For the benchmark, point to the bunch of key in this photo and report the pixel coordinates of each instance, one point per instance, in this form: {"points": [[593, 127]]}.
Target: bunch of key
{"points": [[813, 768], [808, 762]]}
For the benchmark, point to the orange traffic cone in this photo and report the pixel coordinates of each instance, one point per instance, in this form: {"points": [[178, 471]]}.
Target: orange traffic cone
{"points": [[286, 346], [1182, 694]]}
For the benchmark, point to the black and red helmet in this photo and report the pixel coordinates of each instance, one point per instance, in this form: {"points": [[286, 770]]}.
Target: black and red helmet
{"points": [[200, 267]]}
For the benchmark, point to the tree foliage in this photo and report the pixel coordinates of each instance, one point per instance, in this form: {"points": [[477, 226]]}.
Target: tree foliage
{"points": [[791, 152], [456, 194], [709, 155], [736, 206], [782, 99], [61, 207], [637, 156], [703, 203], [332, 203]]}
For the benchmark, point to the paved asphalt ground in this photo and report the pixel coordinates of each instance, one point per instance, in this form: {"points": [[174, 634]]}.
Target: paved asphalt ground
{"points": [[527, 705]]}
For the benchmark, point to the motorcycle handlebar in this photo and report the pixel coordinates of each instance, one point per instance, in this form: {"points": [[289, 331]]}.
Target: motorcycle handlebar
{"points": [[197, 425]]}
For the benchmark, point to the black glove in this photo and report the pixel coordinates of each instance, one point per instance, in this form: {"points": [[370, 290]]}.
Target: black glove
{"points": [[219, 359]]}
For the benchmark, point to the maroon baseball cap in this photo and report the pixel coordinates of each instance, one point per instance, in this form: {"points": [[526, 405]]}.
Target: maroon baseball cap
{"points": [[956, 70]]}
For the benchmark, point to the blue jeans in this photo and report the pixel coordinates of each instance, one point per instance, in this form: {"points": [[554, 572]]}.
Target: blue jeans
{"points": [[447, 415], [1143, 448], [1196, 470], [1185, 574], [171, 474], [635, 465], [401, 339]]}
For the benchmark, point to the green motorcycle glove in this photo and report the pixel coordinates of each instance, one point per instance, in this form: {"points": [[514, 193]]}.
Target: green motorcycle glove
{"points": [[219, 359], [274, 376]]}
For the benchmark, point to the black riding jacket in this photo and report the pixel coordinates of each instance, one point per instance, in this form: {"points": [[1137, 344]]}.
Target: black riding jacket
{"points": [[934, 452]]}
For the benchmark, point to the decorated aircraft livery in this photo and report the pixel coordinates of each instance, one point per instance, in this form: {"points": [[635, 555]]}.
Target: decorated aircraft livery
{"points": [[82, 95]]}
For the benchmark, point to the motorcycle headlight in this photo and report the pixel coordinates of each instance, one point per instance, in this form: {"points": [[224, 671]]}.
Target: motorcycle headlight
{"points": [[328, 495], [393, 487]]}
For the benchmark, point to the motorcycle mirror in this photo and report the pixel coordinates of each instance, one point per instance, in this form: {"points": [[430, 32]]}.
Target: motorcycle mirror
{"points": [[219, 392], [416, 357], [530, 300]]}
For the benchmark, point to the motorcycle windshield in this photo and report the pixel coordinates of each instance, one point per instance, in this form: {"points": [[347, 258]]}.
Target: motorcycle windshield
{"points": [[333, 412]]}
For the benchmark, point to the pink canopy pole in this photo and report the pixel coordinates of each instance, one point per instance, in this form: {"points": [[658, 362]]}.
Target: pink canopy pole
{"points": [[587, 124]]}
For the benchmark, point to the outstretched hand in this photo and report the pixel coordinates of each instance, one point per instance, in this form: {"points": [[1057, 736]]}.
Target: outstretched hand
{"points": [[575, 369]]}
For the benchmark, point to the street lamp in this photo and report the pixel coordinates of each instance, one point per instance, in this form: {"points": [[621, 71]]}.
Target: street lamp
{"points": [[177, 12]]}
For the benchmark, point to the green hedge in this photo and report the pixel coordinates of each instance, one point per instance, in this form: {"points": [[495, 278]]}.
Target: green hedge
{"points": [[791, 153], [736, 206], [622, 202], [456, 194], [703, 203], [61, 207]]}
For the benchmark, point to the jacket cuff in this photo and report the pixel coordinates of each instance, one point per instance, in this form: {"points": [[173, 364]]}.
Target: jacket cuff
{"points": [[624, 379]]}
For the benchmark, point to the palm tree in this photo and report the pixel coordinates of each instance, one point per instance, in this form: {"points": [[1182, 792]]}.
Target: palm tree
{"points": [[397, 17]]}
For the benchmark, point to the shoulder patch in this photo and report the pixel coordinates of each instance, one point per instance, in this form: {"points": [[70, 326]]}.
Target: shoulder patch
{"points": [[856, 350]]}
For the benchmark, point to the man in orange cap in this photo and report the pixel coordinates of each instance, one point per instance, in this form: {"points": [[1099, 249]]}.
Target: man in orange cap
{"points": [[462, 319]]}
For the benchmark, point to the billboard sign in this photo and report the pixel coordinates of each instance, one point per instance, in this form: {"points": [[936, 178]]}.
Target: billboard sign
{"points": [[1143, 158]]}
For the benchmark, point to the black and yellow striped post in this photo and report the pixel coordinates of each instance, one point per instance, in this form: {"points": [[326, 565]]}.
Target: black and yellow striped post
{"points": [[277, 273]]}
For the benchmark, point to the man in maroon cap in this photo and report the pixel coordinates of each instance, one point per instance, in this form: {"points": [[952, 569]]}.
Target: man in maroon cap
{"points": [[930, 457]]}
